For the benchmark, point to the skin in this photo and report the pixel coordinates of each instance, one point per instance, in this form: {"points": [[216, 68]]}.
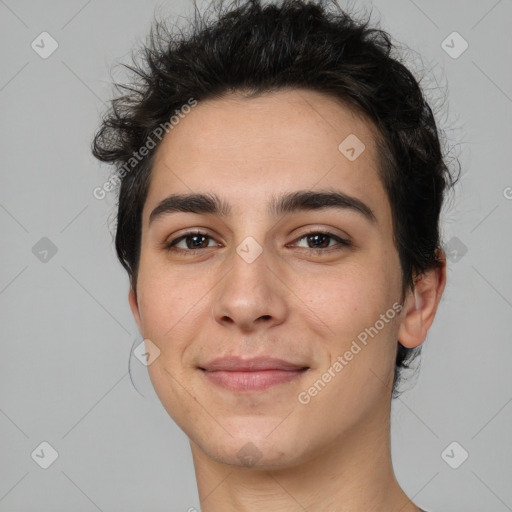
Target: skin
{"points": [[291, 302]]}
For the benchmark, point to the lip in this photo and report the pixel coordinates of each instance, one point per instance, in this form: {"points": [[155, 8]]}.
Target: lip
{"points": [[257, 374], [238, 364]]}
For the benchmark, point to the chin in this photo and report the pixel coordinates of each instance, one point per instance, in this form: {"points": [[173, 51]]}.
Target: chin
{"points": [[253, 454], [255, 443]]}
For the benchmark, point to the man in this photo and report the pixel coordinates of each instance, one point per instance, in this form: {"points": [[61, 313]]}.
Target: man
{"points": [[281, 180]]}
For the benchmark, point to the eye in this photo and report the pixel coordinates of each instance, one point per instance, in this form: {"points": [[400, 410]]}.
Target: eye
{"points": [[320, 240], [192, 240]]}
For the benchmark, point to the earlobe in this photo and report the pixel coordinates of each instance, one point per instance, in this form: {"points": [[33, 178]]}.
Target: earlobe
{"points": [[421, 305], [134, 306]]}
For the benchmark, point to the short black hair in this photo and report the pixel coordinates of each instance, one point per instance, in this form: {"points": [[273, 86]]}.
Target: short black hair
{"points": [[254, 48]]}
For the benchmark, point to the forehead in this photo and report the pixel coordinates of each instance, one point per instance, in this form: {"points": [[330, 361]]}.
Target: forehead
{"points": [[247, 148]]}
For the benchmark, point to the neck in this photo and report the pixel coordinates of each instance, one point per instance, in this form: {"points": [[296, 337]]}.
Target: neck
{"points": [[353, 473]]}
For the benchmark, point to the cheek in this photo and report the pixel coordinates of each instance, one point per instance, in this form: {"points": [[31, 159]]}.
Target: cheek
{"points": [[167, 294], [350, 298], [170, 307], [348, 304], [175, 303], [359, 345]]}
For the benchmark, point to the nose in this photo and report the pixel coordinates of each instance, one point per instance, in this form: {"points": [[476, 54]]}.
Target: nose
{"points": [[251, 295]]}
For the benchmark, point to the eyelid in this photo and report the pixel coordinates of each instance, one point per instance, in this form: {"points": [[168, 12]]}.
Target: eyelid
{"points": [[168, 243], [342, 241]]}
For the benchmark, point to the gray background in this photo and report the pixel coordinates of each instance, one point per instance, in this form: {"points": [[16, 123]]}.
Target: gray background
{"points": [[67, 331]]}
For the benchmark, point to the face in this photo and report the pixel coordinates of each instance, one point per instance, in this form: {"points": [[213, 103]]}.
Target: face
{"points": [[277, 327]]}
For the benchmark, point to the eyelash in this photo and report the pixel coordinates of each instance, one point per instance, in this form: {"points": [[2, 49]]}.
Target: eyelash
{"points": [[169, 246]]}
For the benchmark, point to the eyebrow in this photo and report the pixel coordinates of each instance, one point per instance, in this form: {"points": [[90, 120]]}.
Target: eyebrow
{"points": [[301, 200]]}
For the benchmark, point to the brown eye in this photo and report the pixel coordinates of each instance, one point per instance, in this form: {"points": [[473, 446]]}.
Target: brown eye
{"points": [[319, 240], [192, 241]]}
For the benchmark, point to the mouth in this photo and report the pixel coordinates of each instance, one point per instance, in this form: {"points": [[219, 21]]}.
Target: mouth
{"points": [[256, 374]]}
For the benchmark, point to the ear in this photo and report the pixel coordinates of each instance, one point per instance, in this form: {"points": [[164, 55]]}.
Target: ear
{"points": [[421, 304], [134, 306]]}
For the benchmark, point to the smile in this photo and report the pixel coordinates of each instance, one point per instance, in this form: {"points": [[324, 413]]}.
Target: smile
{"points": [[258, 374]]}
